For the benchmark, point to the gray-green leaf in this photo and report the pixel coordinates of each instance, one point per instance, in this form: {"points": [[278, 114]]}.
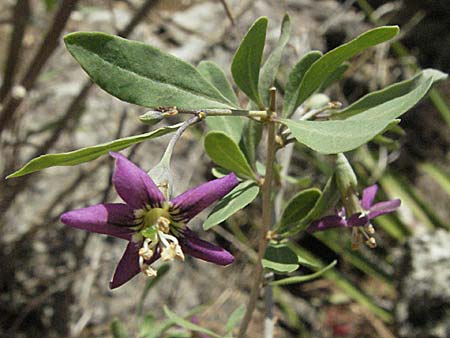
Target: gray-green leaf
{"points": [[247, 60], [89, 153], [216, 76], [301, 279], [235, 318], [328, 63], [270, 68], [226, 153], [295, 79], [142, 74], [331, 137], [244, 194], [392, 92], [187, 324], [279, 257], [298, 207]]}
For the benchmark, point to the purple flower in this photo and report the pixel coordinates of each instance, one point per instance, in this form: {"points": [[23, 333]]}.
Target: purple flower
{"points": [[155, 228], [369, 212]]}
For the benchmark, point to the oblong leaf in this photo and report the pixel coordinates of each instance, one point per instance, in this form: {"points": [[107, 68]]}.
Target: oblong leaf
{"points": [[270, 68], [305, 278], [279, 257], [329, 62], [89, 153], [394, 91], [298, 207], [332, 137], [142, 74], [226, 153], [234, 319], [295, 79], [244, 194], [247, 60], [216, 76], [187, 324]]}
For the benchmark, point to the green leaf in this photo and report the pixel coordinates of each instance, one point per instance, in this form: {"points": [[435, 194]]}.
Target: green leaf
{"points": [[325, 202], [226, 153], [331, 137], [441, 177], [328, 63], [216, 76], [142, 74], [235, 318], [233, 126], [237, 199], [187, 324], [251, 138], [298, 207], [247, 60], [391, 93], [89, 153], [334, 77], [270, 68], [118, 329], [301, 279], [279, 257], [295, 79], [148, 326]]}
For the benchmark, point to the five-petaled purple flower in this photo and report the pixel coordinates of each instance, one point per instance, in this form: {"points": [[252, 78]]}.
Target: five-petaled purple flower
{"points": [[369, 211], [154, 227]]}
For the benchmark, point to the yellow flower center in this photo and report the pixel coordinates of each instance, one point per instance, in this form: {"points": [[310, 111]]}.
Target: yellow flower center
{"points": [[152, 217]]}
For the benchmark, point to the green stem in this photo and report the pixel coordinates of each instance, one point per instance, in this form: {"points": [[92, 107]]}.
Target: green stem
{"points": [[266, 216]]}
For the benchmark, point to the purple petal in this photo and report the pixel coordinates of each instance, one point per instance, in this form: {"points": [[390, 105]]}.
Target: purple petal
{"points": [[133, 184], [368, 196], [198, 248], [128, 266], [357, 220], [109, 219], [190, 203], [327, 222], [382, 208]]}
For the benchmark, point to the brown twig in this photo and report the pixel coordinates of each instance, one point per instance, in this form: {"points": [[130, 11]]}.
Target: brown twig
{"points": [[266, 216], [10, 190], [21, 16], [46, 49]]}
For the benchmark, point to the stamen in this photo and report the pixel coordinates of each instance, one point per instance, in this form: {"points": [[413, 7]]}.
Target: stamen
{"points": [[371, 243], [149, 271], [370, 229], [163, 224], [146, 253]]}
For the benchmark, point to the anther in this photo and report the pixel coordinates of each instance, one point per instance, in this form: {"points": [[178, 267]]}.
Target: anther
{"points": [[146, 253], [370, 229], [163, 224], [371, 243], [149, 271]]}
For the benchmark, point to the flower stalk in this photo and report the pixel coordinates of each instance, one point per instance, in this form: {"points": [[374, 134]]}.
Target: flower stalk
{"points": [[266, 213]]}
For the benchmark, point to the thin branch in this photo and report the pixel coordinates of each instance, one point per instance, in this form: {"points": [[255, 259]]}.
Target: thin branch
{"points": [[228, 11], [266, 216], [12, 188], [21, 16], [46, 49]]}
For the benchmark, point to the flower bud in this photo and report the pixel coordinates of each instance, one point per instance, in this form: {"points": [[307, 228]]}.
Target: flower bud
{"points": [[152, 117]]}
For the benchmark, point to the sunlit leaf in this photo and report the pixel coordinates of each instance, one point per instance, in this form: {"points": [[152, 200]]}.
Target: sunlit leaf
{"points": [[142, 74], [238, 198], [247, 60], [226, 153], [89, 153]]}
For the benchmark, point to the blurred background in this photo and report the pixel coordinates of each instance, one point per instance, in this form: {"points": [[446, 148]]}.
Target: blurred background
{"points": [[54, 280]]}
